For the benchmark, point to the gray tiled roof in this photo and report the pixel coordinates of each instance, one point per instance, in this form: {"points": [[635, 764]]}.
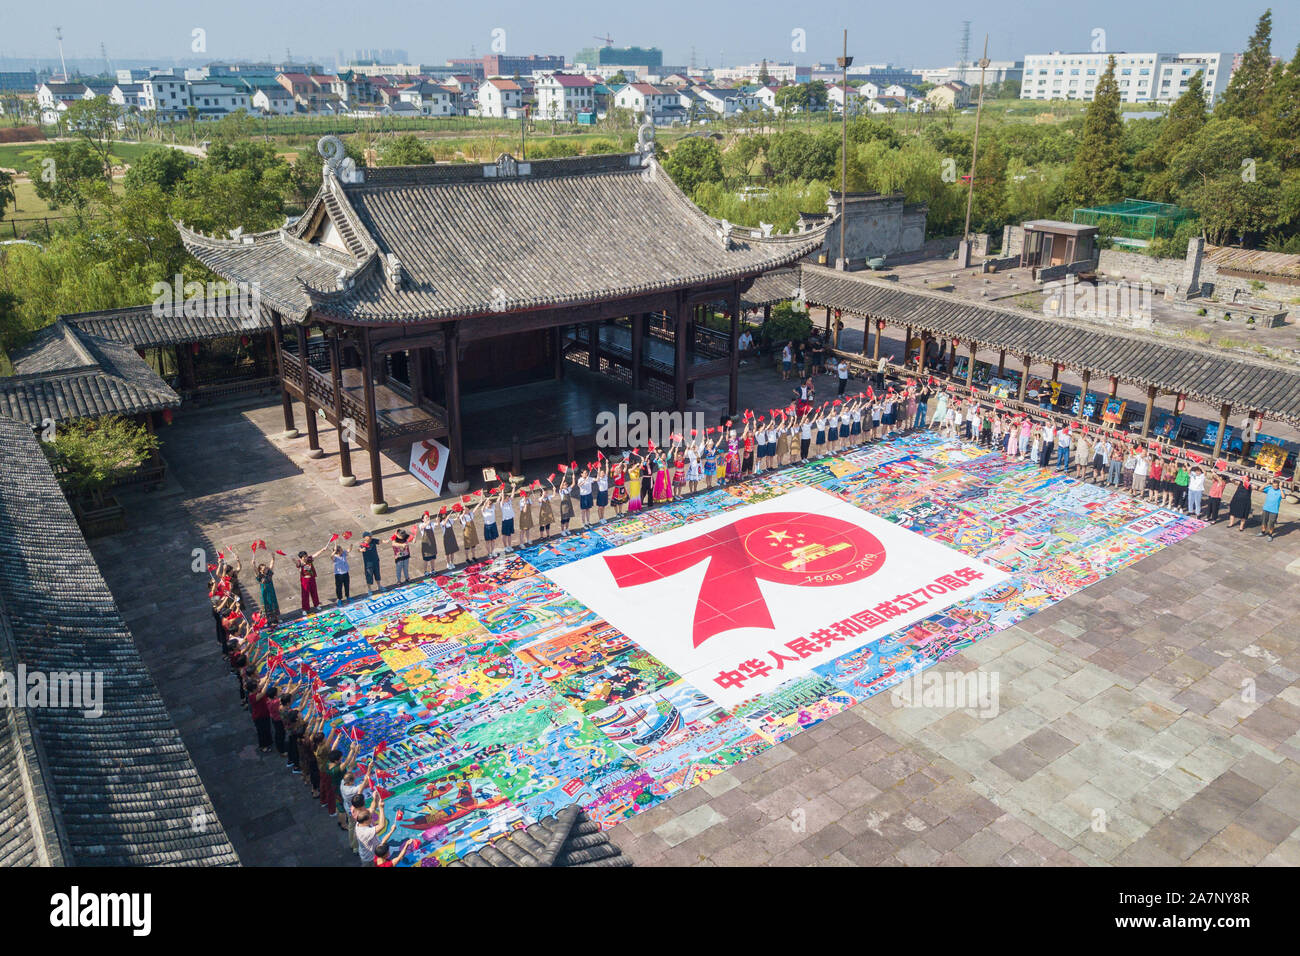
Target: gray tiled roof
{"points": [[1201, 373], [64, 373], [569, 838], [140, 328], [122, 787], [473, 243], [779, 286]]}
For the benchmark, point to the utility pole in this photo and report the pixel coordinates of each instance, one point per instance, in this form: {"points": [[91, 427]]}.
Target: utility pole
{"points": [[843, 62], [58, 35], [975, 140]]}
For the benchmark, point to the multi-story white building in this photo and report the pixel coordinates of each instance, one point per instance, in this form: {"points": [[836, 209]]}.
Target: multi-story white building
{"points": [[167, 95], [500, 97], [663, 104], [54, 98], [215, 100], [274, 101], [776, 72], [727, 102], [432, 100], [837, 95], [129, 96], [562, 96], [1142, 77]]}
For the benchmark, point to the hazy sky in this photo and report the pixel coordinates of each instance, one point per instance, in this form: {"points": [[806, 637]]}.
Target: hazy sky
{"points": [[913, 34]]}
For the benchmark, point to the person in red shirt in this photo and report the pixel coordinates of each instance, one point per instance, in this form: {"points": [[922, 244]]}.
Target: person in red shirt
{"points": [[260, 710], [381, 854]]}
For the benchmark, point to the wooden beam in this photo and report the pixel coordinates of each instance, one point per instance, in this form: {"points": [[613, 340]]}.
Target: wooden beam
{"points": [[377, 503], [1083, 395], [1152, 392], [346, 478], [638, 347], [285, 398], [733, 389], [1224, 411], [970, 368], [313, 438], [455, 431], [679, 358]]}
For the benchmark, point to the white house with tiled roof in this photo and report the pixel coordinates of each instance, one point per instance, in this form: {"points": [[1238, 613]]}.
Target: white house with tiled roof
{"points": [[500, 97], [563, 96]]}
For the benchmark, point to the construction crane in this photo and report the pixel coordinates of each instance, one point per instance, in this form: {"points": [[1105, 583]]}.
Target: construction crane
{"points": [[609, 40]]}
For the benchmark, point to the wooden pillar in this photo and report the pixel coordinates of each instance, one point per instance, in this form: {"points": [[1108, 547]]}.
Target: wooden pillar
{"points": [[875, 348], [679, 357], [455, 432], [346, 478], [272, 355], [1146, 415], [1056, 372], [828, 320], [1224, 411], [377, 504], [313, 438], [285, 398], [1114, 386], [1002, 362], [1083, 395], [1024, 380], [866, 335], [593, 346], [415, 371], [638, 346], [970, 368], [733, 352], [835, 329], [559, 351], [920, 366], [907, 343]]}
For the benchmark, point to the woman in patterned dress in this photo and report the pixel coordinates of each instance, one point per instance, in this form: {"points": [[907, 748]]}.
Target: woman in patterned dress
{"points": [[619, 493], [634, 486], [663, 485]]}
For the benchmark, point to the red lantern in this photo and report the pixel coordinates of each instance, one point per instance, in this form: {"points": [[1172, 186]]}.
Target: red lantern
{"points": [[167, 416], [195, 348], [880, 323], [956, 342], [243, 340]]}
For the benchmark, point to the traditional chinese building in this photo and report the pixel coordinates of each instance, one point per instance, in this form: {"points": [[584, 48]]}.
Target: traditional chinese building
{"points": [[494, 306]]}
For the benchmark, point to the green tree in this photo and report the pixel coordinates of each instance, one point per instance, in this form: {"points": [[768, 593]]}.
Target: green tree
{"points": [[1246, 97], [1284, 111], [68, 175], [407, 150], [692, 161], [95, 122], [797, 155], [789, 99], [161, 167], [763, 77], [89, 454], [1097, 173], [1184, 121], [7, 195]]}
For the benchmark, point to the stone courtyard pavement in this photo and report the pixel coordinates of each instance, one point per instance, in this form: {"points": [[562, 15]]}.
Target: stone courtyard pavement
{"points": [[1153, 718]]}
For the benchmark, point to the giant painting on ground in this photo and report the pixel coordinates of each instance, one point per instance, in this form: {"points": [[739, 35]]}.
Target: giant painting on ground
{"points": [[630, 661]]}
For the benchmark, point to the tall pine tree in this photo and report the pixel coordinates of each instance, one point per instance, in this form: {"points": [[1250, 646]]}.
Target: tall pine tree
{"points": [[1096, 176], [1186, 118], [1283, 120], [1247, 94]]}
